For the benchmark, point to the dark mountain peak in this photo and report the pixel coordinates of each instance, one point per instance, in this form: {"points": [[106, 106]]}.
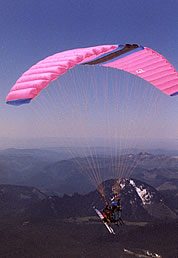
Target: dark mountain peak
{"points": [[139, 202], [146, 193], [14, 197], [16, 190], [146, 154]]}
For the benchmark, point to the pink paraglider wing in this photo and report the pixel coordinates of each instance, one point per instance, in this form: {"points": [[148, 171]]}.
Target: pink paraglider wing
{"points": [[41, 74], [132, 58]]}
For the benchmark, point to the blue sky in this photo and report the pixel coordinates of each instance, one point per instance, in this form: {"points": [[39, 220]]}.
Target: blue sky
{"points": [[33, 29]]}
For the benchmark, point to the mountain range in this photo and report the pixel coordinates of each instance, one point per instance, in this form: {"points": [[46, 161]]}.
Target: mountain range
{"points": [[34, 224], [140, 202], [55, 170]]}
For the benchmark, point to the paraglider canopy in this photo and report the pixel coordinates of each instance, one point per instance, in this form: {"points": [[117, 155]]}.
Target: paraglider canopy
{"points": [[138, 60]]}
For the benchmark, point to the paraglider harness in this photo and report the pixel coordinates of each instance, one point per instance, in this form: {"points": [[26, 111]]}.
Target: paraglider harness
{"points": [[112, 213]]}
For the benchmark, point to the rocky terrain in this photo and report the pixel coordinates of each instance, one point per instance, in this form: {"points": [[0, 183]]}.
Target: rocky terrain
{"points": [[33, 224]]}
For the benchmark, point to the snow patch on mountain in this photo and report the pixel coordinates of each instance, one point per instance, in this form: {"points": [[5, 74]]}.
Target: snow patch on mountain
{"points": [[122, 185], [144, 195], [25, 196], [142, 253]]}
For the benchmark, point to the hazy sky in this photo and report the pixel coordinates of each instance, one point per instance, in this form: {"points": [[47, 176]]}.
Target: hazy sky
{"points": [[33, 29]]}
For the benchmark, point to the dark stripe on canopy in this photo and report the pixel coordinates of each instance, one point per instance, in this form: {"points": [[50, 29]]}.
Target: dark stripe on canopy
{"points": [[127, 48], [174, 94]]}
